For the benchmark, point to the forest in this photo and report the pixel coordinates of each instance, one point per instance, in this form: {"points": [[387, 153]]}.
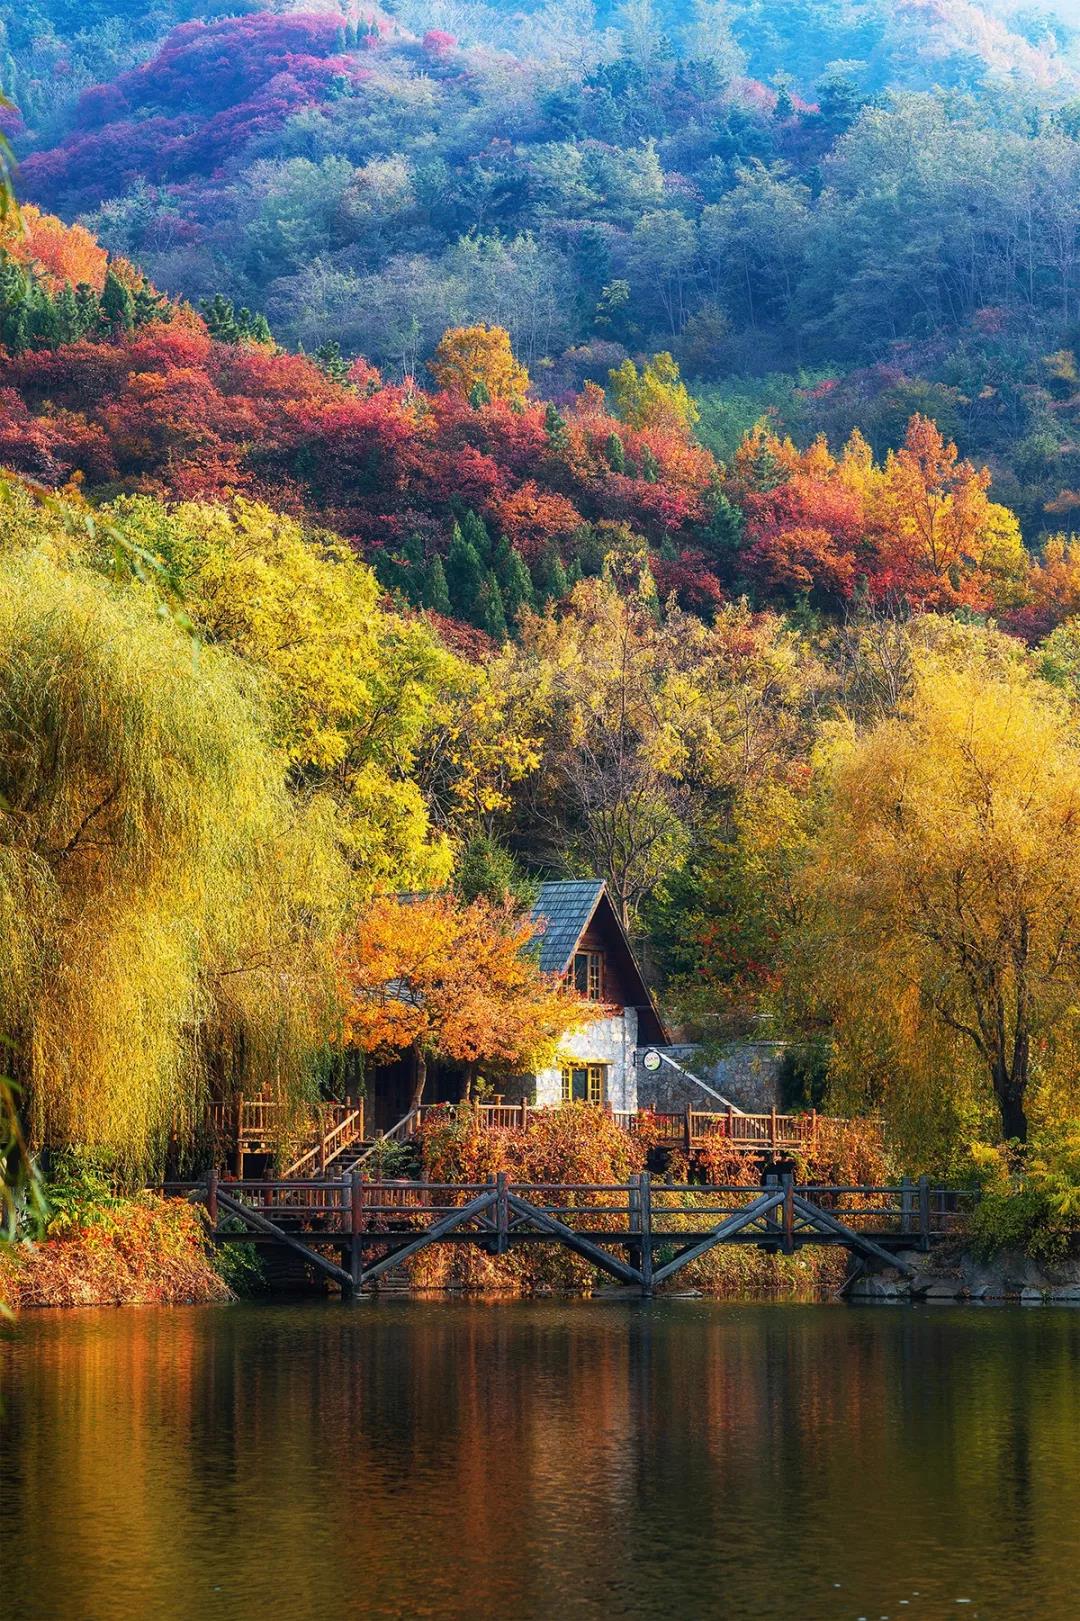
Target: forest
{"points": [[446, 448]]}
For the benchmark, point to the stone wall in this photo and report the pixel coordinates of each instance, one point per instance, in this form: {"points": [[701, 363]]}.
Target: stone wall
{"points": [[609, 1041], [748, 1074]]}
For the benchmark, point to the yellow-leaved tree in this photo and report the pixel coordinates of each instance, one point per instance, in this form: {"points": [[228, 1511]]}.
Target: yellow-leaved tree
{"points": [[655, 396], [479, 363], [168, 909], [945, 894]]}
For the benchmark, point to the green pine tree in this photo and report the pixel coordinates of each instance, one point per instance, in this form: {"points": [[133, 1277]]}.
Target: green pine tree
{"points": [[475, 531], [434, 593], [331, 362], [492, 615], [555, 426], [515, 581], [616, 455], [464, 578], [550, 576], [650, 467], [488, 871], [117, 304]]}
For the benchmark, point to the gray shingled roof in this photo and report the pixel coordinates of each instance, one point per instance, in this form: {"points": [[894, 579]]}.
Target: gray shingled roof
{"points": [[565, 909]]}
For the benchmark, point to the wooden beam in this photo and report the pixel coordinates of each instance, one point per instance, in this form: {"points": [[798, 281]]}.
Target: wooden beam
{"points": [[573, 1241], [432, 1236], [727, 1229], [822, 1219], [265, 1225]]}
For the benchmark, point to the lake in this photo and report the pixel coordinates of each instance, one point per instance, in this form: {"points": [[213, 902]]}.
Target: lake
{"points": [[541, 1459]]}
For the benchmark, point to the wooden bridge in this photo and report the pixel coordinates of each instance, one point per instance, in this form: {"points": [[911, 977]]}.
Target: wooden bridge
{"points": [[642, 1232]]}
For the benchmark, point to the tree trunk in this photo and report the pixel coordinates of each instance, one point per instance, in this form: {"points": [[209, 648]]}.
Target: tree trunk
{"points": [[420, 1077], [467, 1079], [1013, 1115]]}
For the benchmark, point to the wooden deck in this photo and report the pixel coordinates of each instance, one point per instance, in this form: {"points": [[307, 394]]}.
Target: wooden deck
{"points": [[690, 1129], [641, 1232]]}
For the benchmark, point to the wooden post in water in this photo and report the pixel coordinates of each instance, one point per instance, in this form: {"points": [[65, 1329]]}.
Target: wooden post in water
{"points": [[924, 1213], [211, 1196], [356, 1254], [645, 1214], [633, 1204], [502, 1216]]}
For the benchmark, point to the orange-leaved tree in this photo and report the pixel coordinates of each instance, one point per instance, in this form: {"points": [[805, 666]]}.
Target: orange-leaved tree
{"points": [[446, 980], [478, 362]]}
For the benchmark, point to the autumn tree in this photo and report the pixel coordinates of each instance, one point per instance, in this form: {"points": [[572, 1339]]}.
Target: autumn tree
{"points": [[649, 723], [478, 362], [167, 907], [654, 397], [456, 981], [946, 883], [940, 541], [353, 688]]}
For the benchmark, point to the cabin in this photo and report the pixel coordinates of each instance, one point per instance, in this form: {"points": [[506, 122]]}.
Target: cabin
{"points": [[580, 939]]}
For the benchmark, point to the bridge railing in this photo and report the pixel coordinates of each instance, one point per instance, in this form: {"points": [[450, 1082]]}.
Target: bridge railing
{"points": [[355, 1203]]}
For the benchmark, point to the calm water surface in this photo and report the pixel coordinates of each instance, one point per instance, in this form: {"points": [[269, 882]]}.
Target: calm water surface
{"points": [[682, 1458]]}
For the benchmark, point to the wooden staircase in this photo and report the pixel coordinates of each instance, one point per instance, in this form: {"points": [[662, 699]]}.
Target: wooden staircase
{"points": [[339, 1134]]}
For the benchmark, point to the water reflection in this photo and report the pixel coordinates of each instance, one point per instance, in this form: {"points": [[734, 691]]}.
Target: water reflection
{"points": [[550, 1459]]}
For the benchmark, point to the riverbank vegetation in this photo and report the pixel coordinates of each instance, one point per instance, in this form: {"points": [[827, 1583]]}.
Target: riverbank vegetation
{"points": [[99, 1247]]}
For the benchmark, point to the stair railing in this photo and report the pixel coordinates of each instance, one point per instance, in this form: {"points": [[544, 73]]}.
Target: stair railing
{"points": [[331, 1142]]}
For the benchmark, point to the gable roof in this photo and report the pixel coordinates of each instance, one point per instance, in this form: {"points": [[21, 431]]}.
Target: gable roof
{"points": [[566, 908]]}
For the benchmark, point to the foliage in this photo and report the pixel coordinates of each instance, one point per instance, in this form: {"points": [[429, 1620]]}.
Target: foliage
{"points": [[577, 1143], [944, 894], [478, 362], [655, 397], [453, 980], [1035, 1210], [142, 1250], [352, 690], [154, 873]]}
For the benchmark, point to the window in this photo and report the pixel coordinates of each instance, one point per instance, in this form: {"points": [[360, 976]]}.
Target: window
{"points": [[589, 975], [584, 1083]]}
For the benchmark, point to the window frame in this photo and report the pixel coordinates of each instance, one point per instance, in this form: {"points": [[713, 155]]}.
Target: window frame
{"points": [[594, 974], [596, 1081]]}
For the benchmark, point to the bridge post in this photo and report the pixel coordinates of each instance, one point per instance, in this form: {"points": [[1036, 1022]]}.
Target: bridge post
{"points": [[502, 1216], [924, 1213], [789, 1214], [633, 1203], [688, 1130], [211, 1196], [907, 1205], [356, 1254], [645, 1228]]}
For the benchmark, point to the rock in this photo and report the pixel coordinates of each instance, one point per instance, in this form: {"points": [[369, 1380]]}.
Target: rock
{"points": [[1070, 1292], [874, 1288], [1031, 1297], [942, 1289]]}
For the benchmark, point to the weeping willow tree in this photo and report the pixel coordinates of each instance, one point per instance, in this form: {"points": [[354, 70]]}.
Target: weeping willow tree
{"points": [[167, 907], [945, 897]]}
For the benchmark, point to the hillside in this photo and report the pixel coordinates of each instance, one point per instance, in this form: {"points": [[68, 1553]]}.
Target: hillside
{"points": [[841, 213]]}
